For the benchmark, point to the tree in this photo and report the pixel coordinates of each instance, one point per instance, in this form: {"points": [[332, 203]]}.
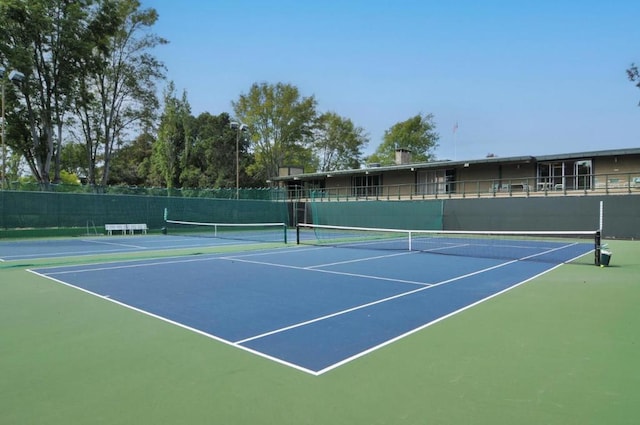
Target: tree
{"points": [[170, 152], [44, 39], [634, 75], [280, 122], [416, 134], [68, 178], [79, 57], [210, 139], [73, 159], [117, 87], [213, 159], [131, 163], [338, 143]]}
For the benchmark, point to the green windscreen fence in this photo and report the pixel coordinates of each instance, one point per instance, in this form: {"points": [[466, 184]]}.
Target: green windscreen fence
{"points": [[418, 215], [264, 193], [39, 210], [226, 211]]}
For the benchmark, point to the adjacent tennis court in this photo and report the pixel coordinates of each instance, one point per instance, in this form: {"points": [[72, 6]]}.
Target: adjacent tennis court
{"points": [[175, 238], [314, 308]]}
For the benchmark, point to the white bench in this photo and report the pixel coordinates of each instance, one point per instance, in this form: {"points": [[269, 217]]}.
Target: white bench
{"points": [[125, 228], [142, 227], [110, 228]]}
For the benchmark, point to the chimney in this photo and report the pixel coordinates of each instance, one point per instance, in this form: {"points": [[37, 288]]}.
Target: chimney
{"points": [[403, 156]]}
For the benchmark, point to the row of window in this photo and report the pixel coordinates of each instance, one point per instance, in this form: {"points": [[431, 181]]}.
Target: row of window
{"points": [[568, 174]]}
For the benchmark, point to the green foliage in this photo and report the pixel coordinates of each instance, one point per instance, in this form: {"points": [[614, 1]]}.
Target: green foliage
{"points": [[74, 159], [416, 134], [117, 87], [197, 152], [634, 75], [14, 166], [131, 164], [280, 122], [90, 74], [338, 143], [212, 158], [86, 63], [170, 150], [69, 178], [43, 39]]}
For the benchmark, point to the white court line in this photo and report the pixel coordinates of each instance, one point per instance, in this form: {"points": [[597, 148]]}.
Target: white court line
{"points": [[62, 254], [216, 256], [453, 313], [112, 251], [444, 248], [181, 325], [357, 260], [412, 282], [392, 241], [279, 251], [393, 297], [426, 325], [342, 362], [123, 264], [553, 250], [131, 266], [113, 243]]}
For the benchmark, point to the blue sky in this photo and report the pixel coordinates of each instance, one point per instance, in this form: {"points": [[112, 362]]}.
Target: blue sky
{"points": [[519, 77]]}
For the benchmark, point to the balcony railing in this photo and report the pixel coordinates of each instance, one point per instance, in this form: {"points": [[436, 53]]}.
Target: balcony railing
{"points": [[568, 185]]}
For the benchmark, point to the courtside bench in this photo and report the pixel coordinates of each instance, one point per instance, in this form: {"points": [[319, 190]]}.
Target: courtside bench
{"points": [[142, 227], [126, 228]]}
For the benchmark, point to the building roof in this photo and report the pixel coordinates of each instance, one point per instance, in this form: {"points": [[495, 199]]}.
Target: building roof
{"points": [[453, 164], [589, 154]]}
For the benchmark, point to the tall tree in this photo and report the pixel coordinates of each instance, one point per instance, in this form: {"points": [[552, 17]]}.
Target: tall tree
{"points": [[338, 143], [280, 122], [44, 39], [416, 134], [212, 162], [73, 159], [118, 83], [131, 163], [211, 158], [84, 57], [170, 152], [634, 75]]}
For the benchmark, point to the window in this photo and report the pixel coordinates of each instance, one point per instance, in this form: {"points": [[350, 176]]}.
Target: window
{"points": [[314, 188], [565, 175], [367, 185], [583, 173], [432, 182]]}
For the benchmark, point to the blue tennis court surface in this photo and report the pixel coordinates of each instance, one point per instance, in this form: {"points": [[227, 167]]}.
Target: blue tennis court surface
{"points": [[311, 308], [98, 245]]}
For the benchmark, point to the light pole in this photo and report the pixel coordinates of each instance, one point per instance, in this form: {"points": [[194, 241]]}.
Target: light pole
{"points": [[15, 77], [240, 128]]}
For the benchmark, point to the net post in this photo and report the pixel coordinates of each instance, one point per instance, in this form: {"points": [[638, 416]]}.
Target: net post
{"points": [[284, 229], [598, 247], [297, 234], [601, 216]]}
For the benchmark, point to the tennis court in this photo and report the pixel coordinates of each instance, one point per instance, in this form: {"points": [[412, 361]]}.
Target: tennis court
{"points": [[312, 308], [343, 328], [43, 248], [119, 244]]}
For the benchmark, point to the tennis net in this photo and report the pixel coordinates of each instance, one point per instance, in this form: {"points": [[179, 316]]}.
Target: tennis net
{"points": [[551, 246], [257, 232]]}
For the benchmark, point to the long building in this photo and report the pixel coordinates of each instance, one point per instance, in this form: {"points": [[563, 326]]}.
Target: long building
{"points": [[615, 171]]}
